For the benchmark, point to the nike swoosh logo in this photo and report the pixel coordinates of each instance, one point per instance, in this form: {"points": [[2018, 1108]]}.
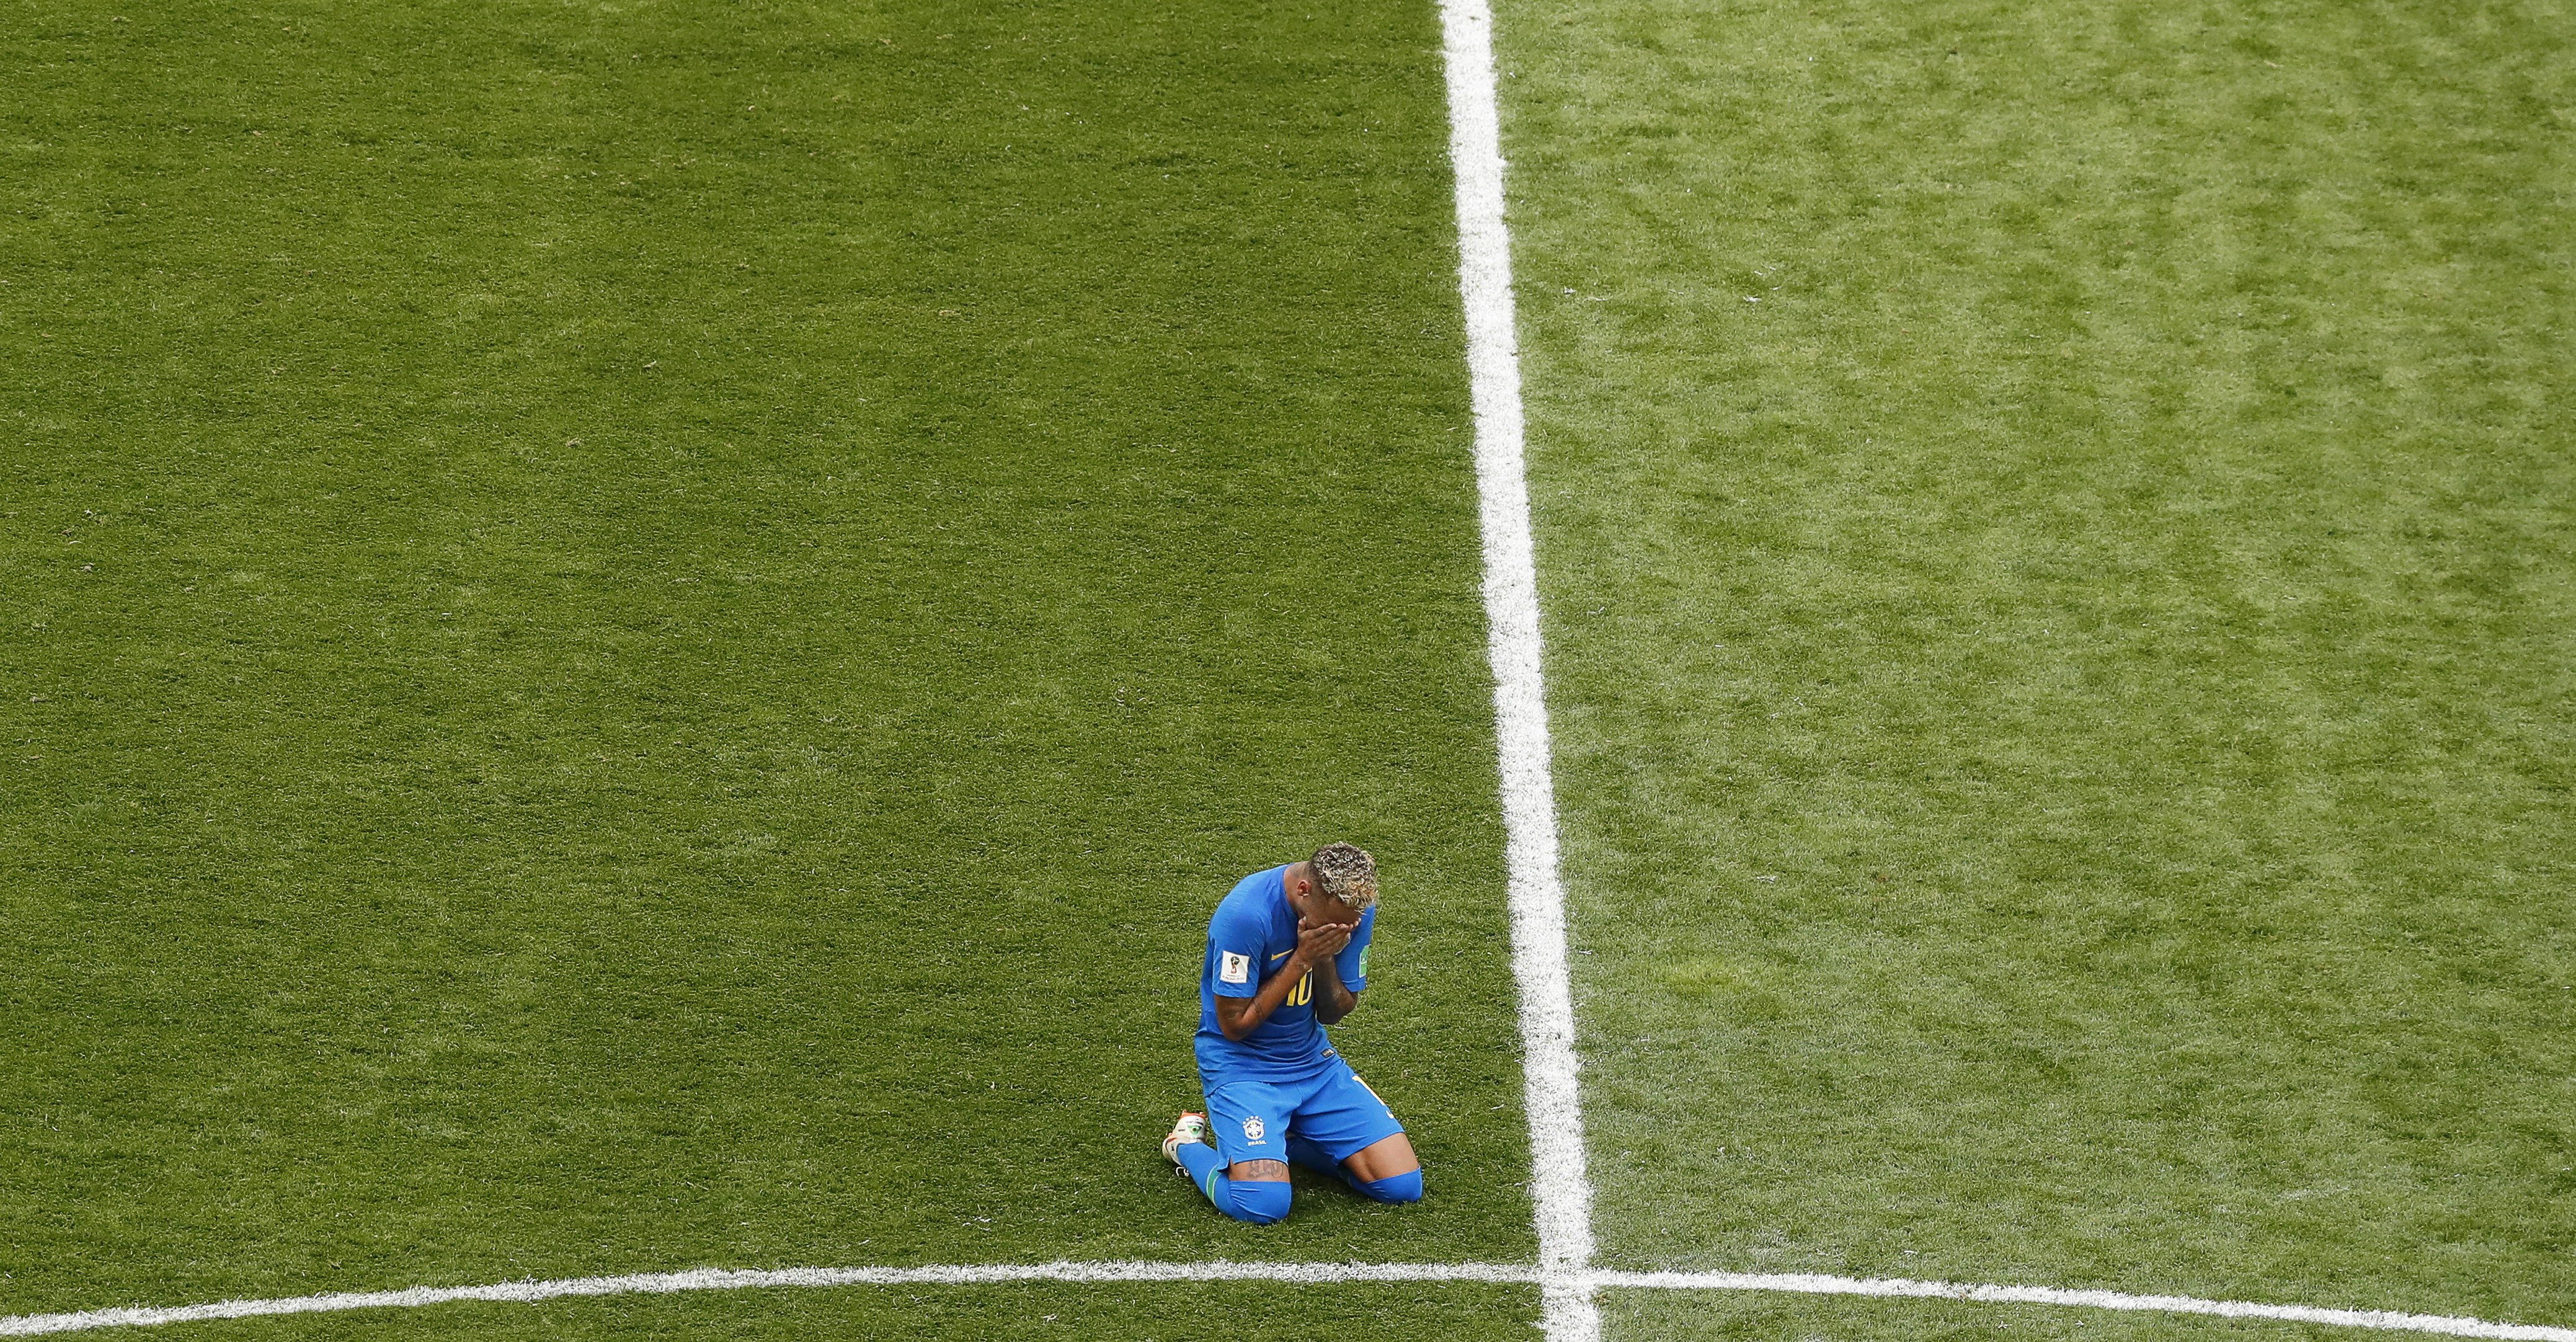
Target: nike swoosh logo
{"points": [[1280, 955]]}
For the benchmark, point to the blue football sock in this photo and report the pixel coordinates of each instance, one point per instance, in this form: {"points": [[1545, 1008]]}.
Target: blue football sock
{"points": [[1201, 1160], [1405, 1187], [1244, 1200]]}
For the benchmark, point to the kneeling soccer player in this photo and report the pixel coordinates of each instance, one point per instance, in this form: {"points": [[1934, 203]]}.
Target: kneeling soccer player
{"points": [[1287, 955]]}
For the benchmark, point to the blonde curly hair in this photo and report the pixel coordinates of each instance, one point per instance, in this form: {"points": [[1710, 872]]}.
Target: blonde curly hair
{"points": [[1347, 873]]}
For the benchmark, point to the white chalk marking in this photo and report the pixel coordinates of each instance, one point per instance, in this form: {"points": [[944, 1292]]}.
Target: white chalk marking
{"points": [[1559, 1189], [1292, 1274], [1799, 1283], [722, 1279]]}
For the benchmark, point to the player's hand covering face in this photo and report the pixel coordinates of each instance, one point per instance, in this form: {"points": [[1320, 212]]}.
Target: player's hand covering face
{"points": [[1322, 941]]}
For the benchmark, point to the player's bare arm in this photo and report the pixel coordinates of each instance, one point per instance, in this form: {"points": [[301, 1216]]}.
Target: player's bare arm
{"points": [[1333, 998]]}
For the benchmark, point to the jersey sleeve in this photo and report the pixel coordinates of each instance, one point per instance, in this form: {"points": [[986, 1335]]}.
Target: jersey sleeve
{"points": [[1353, 961], [1234, 953]]}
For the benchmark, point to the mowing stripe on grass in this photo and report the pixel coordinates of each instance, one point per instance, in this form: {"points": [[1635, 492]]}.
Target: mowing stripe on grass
{"points": [[1803, 1284], [1294, 1274], [1560, 1190]]}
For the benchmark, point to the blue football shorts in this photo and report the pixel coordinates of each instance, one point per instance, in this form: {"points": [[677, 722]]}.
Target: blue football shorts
{"points": [[1335, 1110]]}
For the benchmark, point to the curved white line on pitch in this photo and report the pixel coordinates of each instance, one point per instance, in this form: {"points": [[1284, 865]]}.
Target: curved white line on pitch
{"points": [[1299, 1274], [724, 1279]]}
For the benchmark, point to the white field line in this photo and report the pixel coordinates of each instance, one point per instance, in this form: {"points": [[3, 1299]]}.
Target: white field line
{"points": [[722, 1279], [1799, 1283], [1294, 1274], [1560, 1191]]}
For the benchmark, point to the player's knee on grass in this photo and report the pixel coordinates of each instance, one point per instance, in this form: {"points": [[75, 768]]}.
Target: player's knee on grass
{"points": [[1259, 1202], [1405, 1187]]}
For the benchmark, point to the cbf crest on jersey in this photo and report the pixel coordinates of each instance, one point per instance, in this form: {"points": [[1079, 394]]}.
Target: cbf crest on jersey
{"points": [[1252, 1129]]}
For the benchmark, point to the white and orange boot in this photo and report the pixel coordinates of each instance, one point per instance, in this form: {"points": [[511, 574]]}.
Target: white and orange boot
{"points": [[1189, 1127]]}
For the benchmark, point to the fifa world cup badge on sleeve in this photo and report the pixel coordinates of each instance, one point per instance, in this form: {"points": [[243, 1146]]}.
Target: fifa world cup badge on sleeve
{"points": [[1234, 968]]}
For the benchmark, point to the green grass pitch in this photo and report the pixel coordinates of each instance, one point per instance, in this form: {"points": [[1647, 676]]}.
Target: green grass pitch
{"points": [[642, 635], [636, 635], [2060, 522]]}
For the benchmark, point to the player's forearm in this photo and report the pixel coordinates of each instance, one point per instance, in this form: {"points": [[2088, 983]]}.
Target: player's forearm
{"points": [[1332, 1000], [1258, 1007]]}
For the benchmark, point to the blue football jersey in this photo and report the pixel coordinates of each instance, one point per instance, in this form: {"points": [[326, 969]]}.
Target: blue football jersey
{"points": [[1249, 941]]}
